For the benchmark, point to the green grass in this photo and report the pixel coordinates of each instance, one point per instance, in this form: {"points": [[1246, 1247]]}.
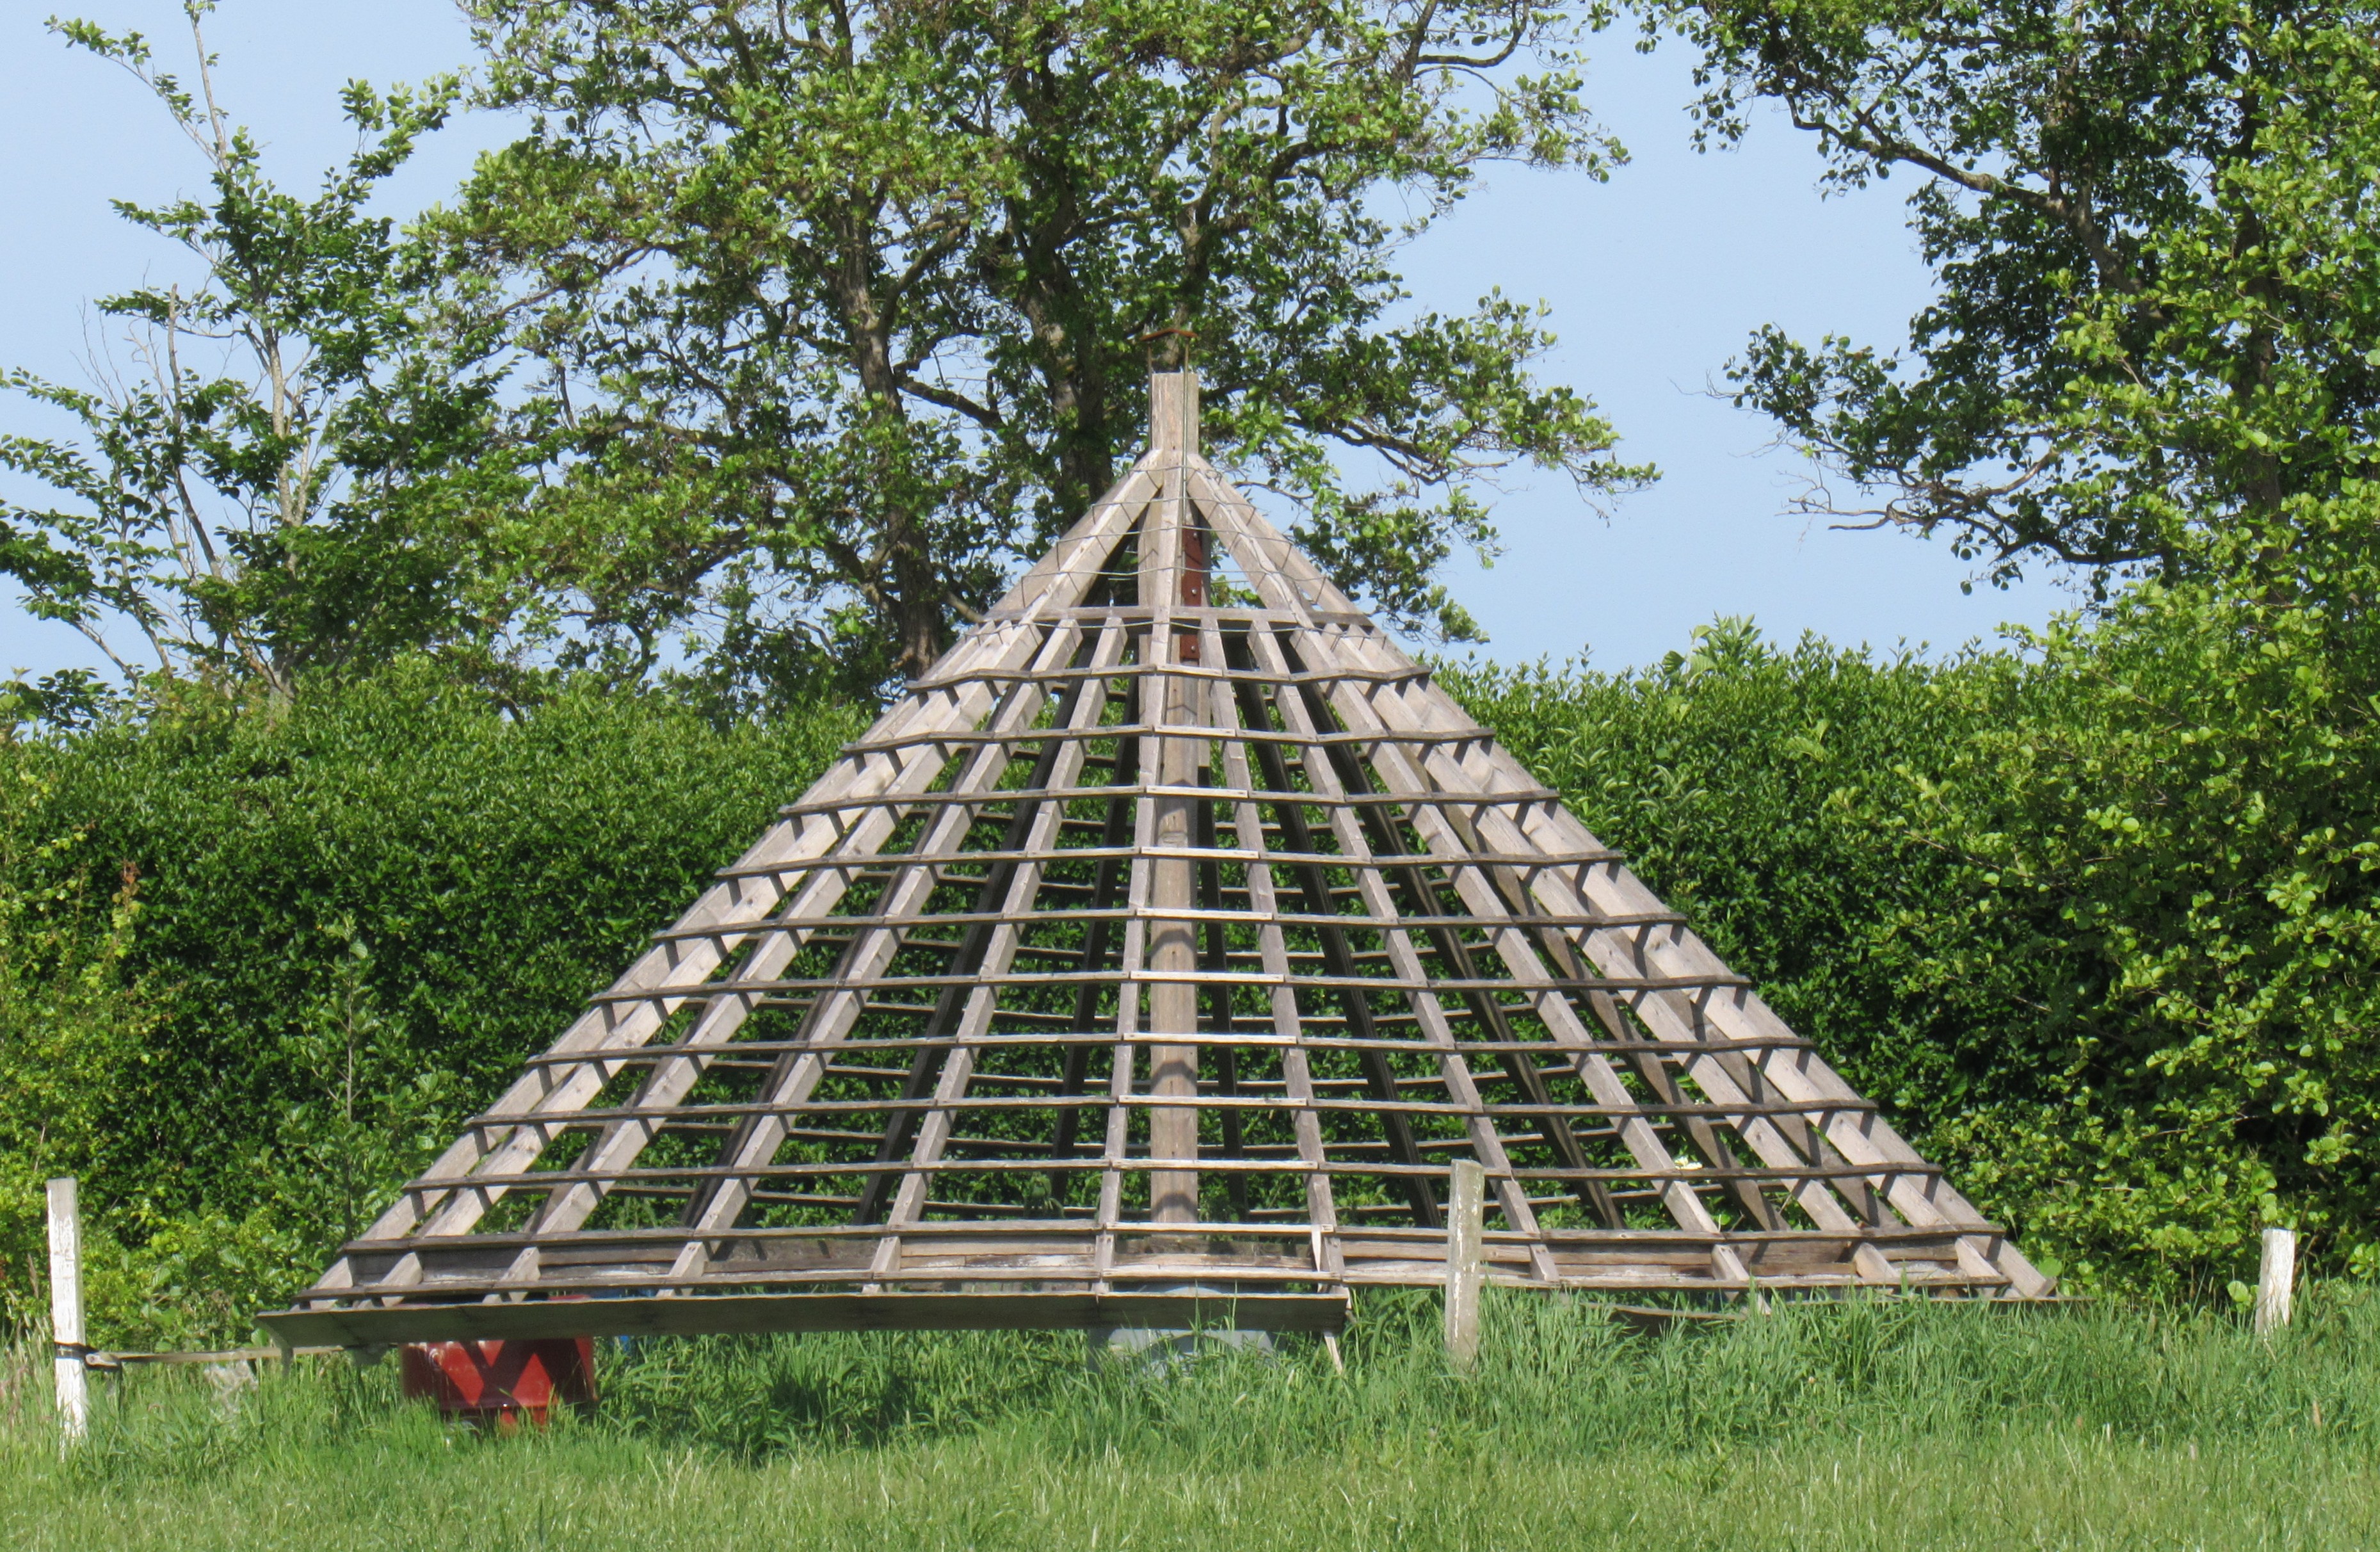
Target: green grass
{"points": [[1865, 1425]]}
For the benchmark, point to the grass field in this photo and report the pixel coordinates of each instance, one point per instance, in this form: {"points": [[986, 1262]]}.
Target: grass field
{"points": [[1870, 1424]]}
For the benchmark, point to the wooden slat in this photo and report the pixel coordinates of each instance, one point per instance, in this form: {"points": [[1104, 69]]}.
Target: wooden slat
{"points": [[1063, 762], [621, 1061], [1070, 794], [808, 1311], [1298, 1076]]}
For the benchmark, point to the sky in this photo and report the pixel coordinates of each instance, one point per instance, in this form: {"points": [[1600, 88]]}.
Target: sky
{"points": [[1655, 280]]}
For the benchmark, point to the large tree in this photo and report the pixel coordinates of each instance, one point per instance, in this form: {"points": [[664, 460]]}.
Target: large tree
{"points": [[840, 306], [2152, 222]]}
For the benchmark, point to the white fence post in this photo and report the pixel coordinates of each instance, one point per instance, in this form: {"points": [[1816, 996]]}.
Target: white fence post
{"points": [[1464, 1261], [65, 1311], [2275, 1275]]}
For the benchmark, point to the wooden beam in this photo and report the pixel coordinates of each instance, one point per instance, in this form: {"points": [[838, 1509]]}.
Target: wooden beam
{"points": [[70, 1353], [1465, 1264], [731, 1314]]}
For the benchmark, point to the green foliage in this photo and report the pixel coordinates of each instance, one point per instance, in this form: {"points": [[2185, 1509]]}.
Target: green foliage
{"points": [[2151, 228], [837, 310], [2095, 925], [72, 1021], [2168, 861], [268, 488], [356, 912], [763, 359]]}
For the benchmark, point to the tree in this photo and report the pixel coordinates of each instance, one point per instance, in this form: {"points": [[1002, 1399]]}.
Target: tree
{"points": [[841, 307], [2153, 350], [261, 492], [2151, 221]]}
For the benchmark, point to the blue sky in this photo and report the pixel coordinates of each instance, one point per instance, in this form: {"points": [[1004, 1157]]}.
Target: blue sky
{"points": [[1655, 280]]}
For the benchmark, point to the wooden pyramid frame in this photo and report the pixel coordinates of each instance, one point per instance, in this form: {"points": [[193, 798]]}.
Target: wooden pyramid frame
{"points": [[1099, 985]]}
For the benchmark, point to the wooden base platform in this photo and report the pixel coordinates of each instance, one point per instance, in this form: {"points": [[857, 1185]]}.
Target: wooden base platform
{"points": [[734, 1314]]}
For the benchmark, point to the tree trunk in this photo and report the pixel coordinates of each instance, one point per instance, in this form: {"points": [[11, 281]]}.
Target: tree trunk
{"points": [[907, 589], [1044, 228]]}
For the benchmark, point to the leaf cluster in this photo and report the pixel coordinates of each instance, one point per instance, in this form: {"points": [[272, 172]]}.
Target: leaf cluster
{"points": [[2150, 225], [260, 483], [2170, 862], [836, 311]]}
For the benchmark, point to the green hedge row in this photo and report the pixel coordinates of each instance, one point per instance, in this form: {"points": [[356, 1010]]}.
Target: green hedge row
{"points": [[351, 918], [2098, 922], [2094, 925], [1741, 782]]}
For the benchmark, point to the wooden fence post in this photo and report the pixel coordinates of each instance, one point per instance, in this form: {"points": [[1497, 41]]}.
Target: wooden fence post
{"points": [[1464, 1263], [65, 1311], [2275, 1275]]}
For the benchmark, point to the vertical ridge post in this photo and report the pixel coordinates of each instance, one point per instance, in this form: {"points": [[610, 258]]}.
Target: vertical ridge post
{"points": [[1172, 576], [65, 1311], [1465, 1262], [2275, 1275], [1173, 411]]}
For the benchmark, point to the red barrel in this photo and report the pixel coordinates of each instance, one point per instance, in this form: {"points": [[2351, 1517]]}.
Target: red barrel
{"points": [[502, 1383]]}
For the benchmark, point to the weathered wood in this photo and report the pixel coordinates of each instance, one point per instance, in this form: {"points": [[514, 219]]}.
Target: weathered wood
{"points": [[663, 1088], [1530, 861], [1721, 1020], [1450, 836], [69, 1363], [1423, 719], [1206, 619], [811, 1312], [1173, 575], [1330, 775], [1322, 932], [1058, 580], [999, 944], [1297, 1078], [1282, 981], [2276, 1270], [1465, 1265], [1133, 789], [220, 1356]]}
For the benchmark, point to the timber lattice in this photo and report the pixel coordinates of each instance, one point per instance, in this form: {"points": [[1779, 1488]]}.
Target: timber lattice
{"points": [[1155, 958]]}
